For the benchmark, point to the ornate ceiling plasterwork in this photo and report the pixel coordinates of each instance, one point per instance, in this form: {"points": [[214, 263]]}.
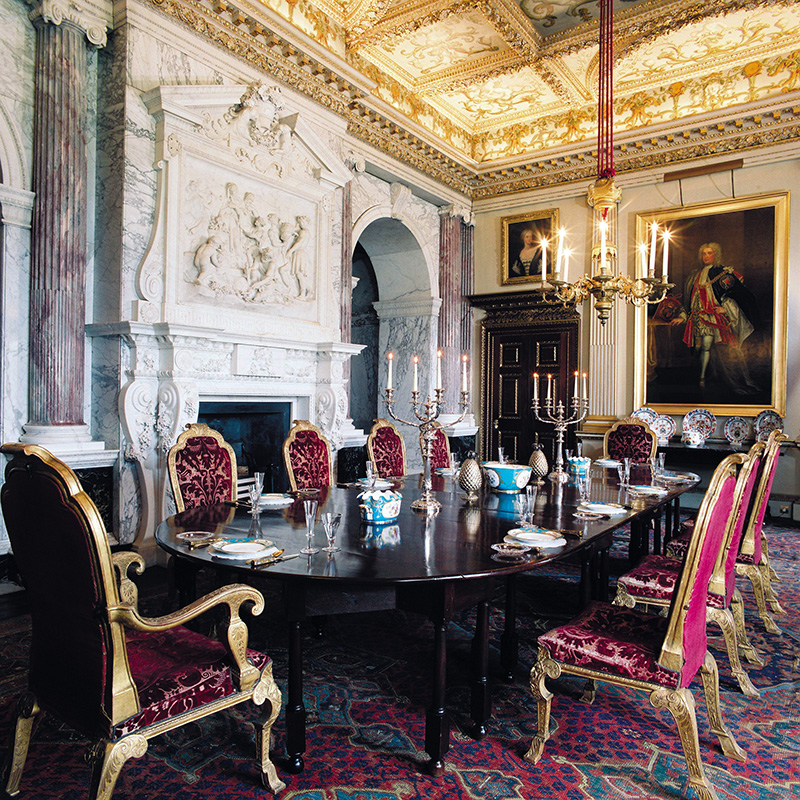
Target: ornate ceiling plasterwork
{"points": [[495, 96]]}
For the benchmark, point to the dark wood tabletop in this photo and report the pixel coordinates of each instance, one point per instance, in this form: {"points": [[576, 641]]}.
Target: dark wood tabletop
{"points": [[435, 564]]}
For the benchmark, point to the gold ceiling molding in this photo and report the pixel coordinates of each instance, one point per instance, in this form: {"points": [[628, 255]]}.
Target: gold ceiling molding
{"points": [[738, 135], [252, 37]]}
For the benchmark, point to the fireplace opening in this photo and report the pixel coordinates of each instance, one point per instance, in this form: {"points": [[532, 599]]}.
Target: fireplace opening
{"points": [[256, 432]]}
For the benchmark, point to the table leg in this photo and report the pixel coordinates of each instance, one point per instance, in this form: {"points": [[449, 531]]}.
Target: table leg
{"points": [[481, 696], [586, 587], [295, 710], [185, 580], [509, 641], [676, 521], [437, 721], [602, 575], [657, 532]]}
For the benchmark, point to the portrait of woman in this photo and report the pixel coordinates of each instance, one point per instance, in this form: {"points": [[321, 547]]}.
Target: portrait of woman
{"points": [[522, 245]]}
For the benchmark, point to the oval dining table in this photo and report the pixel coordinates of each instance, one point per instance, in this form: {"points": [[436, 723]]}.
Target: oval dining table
{"points": [[434, 564]]}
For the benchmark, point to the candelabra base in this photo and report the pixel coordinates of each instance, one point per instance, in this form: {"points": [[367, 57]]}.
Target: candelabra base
{"points": [[558, 476], [426, 504]]}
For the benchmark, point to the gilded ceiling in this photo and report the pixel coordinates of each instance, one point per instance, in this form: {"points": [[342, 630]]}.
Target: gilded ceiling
{"points": [[489, 96]]}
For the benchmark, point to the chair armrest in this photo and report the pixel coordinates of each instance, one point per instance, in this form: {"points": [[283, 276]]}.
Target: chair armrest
{"points": [[234, 597], [123, 561]]}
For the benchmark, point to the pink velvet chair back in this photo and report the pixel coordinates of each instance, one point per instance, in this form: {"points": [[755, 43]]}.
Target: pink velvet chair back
{"points": [[723, 581], [441, 448], [202, 468], [630, 438], [386, 449], [685, 644], [307, 457], [751, 539]]}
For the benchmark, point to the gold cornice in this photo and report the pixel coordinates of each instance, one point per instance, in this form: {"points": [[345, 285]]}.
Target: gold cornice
{"points": [[241, 34]]}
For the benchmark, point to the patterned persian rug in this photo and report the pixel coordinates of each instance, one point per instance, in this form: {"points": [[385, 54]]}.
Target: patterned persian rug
{"points": [[366, 691]]}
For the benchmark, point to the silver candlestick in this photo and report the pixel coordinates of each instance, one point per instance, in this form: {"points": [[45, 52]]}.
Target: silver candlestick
{"points": [[425, 420], [556, 414]]}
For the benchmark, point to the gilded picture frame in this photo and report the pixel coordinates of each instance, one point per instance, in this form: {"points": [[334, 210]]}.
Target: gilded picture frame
{"points": [[533, 226], [718, 340]]}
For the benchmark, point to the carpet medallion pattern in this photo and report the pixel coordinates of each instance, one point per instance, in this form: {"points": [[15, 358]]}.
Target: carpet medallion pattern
{"points": [[366, 706]]}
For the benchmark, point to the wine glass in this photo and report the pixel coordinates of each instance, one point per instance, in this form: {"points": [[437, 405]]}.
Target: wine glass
{"points": [[530, 496], [584, 486], [310, 507], [501, 458], [330, 524]]}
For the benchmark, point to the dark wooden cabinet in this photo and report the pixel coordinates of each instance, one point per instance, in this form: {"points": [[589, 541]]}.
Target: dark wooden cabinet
{"points": [[521, 335]]}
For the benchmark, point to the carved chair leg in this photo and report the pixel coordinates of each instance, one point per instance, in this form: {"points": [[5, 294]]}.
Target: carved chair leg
{"points": [[724, 619], [623, 598], [752, 573], [26, 712], [544, 667], [107, 760], [710, 677], [747, 649], [765, 559], [681, 705], [267, 692], [766, 579]]}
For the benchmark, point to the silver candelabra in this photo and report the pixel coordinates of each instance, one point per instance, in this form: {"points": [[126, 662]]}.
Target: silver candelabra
{"points": [[561, 417], [425, 420]]}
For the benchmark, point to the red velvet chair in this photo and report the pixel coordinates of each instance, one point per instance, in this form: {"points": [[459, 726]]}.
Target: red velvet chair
{"points": [[653, 581], [202, 468], [753, 557], [307, 457], [630, 438], [113, 675], [440, 459], [386, 449], [646, 651]]}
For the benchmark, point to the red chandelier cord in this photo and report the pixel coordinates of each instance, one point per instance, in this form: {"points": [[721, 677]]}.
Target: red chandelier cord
{"points": [[605, 106]]}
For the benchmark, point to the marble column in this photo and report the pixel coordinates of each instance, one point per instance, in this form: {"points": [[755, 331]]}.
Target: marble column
{"points": [[466, 319], [58, 230], [449, 338]]}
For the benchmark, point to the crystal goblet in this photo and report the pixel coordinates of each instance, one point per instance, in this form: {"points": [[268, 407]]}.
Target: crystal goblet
{"points": [[310, 508], [330, 524]]}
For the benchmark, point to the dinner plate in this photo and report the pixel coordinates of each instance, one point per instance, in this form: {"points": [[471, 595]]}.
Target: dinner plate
{"points": [[446, 471], [606, 462], [653, 491], [242, 548], [646, 414], [512, 549], [603, 508], [535, 538], [275, 500], [587, 515], [766, 422], [194, 536], [675, 477], [700, 420], [735, 430], [664, 427]]}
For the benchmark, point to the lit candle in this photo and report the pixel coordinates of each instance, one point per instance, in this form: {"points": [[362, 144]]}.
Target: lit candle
{"points": [[653, 233], [549, 388], [560, 254], [544, 258], [464, 383], [536, 388], [438, 369], [415, 387], [585, 386], [575, 390], [390, 358], [643, 258], [666, 257], [603, 232], [565, 265]]}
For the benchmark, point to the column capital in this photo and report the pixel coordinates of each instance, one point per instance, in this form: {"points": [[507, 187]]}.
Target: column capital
{"points": [[93, 17], [457, 210]]}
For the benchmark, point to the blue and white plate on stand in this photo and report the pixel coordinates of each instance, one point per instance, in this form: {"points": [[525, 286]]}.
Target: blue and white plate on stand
{"points": [[735, 430]]}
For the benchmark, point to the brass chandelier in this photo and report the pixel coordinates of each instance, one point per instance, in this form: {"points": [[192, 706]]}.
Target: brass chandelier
{"points": [[606, 284]]}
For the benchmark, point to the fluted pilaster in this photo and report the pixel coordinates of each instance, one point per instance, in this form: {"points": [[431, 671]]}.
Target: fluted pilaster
{"points": [[449, 334], [58, 252]]}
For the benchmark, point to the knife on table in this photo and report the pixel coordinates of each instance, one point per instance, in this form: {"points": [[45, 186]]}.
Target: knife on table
{"points": [[269, 560]]}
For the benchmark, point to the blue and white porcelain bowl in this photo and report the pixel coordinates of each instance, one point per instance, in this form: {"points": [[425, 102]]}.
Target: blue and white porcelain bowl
{"points": [[379, 507], [507, 477]]}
